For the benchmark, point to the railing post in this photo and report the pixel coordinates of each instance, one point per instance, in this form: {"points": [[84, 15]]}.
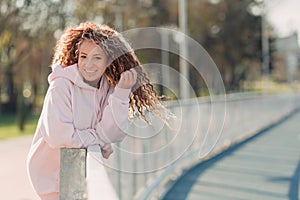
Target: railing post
{"points": [[72, 174]]}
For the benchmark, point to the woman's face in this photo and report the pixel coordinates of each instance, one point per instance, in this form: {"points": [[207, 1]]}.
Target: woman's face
{"points": [[92, 62]]}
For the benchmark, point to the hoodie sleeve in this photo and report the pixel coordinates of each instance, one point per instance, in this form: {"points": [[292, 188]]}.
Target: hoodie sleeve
{"points": [[114, 123], [57, 119]]}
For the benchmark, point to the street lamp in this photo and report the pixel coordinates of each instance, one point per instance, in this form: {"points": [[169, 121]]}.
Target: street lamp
{"points": [[184, 70], [265, 44]]}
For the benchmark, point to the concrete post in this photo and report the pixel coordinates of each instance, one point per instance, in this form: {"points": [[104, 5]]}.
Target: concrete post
{"points": [[72, 174]]}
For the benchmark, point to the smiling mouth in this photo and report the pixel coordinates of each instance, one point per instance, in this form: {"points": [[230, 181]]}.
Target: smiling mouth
{"points": [[90, 71]]}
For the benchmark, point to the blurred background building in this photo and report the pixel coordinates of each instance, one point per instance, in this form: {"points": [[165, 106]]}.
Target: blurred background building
{"points": [[288, 57]]}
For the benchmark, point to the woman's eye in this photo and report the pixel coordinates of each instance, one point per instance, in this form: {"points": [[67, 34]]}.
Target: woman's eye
{"points": [[98, 58], [82, 56]]}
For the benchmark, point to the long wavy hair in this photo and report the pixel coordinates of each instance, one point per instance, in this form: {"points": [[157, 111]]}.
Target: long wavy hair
{"points": [[120, 55]]}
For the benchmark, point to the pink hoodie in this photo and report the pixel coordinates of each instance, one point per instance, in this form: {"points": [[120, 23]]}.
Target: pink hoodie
{"points": [[74, 115]]}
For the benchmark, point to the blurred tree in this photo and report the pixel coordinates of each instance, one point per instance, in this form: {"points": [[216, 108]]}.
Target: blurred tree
{"points": [[26, 43], [230, 33], [228, 30], [10, 56]]}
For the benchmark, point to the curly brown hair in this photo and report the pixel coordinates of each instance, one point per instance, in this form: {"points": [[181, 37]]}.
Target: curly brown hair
{"points": [[120, 55]]}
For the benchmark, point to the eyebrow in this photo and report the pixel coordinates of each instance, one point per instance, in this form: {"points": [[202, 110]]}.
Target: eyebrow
{"points": [[97, 54]]}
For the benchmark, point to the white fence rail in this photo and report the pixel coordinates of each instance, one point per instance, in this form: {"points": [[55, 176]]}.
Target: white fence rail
{"points": [[152, 152], [151, 155]]}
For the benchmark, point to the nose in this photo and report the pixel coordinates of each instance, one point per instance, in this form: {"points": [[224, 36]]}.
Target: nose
{"points": [[87, 62]]}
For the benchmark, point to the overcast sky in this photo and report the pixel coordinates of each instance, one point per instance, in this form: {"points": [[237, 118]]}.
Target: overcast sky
{"points": [[285, 16]]}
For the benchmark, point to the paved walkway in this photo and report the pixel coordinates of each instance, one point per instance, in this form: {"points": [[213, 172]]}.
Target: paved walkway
{"points": [[265, 167], [14, 183]]}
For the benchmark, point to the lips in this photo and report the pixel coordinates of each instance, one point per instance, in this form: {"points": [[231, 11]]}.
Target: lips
{"points": [[90, 71]]}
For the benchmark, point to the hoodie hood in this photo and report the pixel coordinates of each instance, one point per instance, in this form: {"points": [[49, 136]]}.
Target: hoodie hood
{"points": [[72, 73]]}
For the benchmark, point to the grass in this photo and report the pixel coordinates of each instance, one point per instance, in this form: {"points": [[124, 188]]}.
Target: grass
{"points": [[270, 86], [9, 128]]}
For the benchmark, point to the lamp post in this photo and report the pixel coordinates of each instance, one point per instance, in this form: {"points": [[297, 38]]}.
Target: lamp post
{"points": [[184, 71], [165, 61], [265, 44]]}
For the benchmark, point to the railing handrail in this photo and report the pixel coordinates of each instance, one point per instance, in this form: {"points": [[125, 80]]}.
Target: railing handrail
{"points": [[236, 101]]}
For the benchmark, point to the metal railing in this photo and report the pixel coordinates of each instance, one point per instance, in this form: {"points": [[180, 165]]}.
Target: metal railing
{"points": [[143, 165]]}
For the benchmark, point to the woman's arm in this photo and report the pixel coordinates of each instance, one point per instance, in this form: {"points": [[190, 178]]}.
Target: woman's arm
{"points": [[57, 116], [56, 123], [114, 124]]}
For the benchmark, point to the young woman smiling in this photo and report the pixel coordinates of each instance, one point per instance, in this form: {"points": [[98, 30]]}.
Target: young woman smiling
{"points": [[88, 100]]}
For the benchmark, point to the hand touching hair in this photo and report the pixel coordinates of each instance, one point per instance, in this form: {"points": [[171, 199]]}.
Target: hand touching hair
{"points": [[121, 58]]}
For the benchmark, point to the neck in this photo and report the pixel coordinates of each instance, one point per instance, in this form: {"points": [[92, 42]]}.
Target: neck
{"points": [[94, 84]]}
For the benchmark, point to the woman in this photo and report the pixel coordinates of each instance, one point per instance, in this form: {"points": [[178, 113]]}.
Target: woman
{"points": [[88, 100]]}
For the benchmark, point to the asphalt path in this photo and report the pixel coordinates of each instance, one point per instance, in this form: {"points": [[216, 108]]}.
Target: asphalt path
{"points": [[14, 182], [265, 166]]}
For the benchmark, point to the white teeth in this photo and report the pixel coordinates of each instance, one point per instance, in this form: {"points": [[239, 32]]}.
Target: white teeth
{"points": [[90, 71]]}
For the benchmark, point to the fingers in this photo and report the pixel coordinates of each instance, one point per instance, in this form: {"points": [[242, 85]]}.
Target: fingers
{"points": [[128, 79], [106, 150], [106, 154]]}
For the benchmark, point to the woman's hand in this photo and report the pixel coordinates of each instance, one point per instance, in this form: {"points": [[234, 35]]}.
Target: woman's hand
{"points": [[128, 79], [106, 150]]}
